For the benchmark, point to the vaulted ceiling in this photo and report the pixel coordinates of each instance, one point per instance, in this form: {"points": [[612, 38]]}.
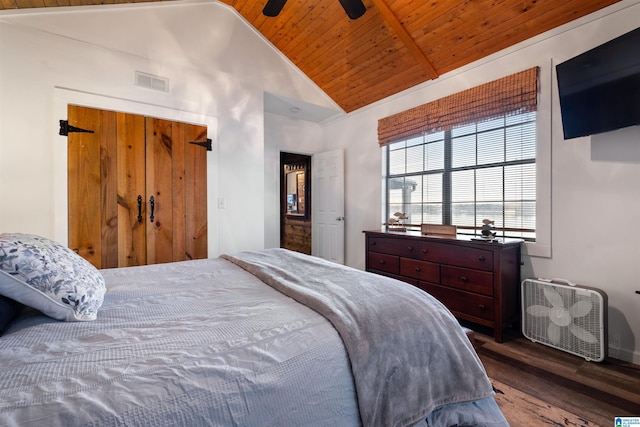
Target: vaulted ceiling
{"points": [[396, 44]]}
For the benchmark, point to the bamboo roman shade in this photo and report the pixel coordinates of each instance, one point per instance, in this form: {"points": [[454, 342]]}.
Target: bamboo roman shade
{"points": [[516, 93]]}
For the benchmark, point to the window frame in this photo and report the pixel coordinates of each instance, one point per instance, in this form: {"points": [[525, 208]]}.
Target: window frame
{"points": [[447, 170], [547, 94]]}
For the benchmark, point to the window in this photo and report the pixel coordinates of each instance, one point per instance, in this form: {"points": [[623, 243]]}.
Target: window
{"points": [[464, 175], [466, 157]]}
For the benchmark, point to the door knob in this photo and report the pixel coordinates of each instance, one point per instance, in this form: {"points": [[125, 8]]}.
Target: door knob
{"points": [[340, 218]]}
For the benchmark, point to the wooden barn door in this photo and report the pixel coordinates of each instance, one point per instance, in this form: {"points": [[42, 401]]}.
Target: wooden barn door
{"points": [[176, 178], [129, 183], [137, 189]]}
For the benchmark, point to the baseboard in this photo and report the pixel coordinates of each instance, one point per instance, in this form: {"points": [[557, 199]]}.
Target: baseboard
{"points": [[624, 354]]}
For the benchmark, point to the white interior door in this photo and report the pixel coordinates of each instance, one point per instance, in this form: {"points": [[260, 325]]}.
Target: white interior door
{"points": [[327, 189]]}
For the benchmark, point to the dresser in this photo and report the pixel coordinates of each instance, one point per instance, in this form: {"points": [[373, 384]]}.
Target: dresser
{"points": [[479, 281]]}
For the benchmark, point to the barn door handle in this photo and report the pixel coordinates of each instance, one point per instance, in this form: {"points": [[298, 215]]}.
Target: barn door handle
{"points": [[152, 202], [139, 208]]}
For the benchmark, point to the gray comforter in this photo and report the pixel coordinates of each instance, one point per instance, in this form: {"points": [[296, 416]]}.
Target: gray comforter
{"points": [[408, 354], [206, 343]]}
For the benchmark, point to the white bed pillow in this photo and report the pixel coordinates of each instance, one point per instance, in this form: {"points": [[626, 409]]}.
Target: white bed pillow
{"points": [[49, 277]]}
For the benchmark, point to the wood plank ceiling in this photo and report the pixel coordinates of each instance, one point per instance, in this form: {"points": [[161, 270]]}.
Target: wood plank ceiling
{"points": [[396, 44]]}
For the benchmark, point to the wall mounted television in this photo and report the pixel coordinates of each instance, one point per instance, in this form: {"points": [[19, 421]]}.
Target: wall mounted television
{"points": [[600, 89]]}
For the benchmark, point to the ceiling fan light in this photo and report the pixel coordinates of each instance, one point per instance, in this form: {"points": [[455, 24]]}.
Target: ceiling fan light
{"points": [[273, 7], [354, 8]]}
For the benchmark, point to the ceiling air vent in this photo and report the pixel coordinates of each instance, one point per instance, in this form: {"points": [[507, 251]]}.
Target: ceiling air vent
{"points": [[152, 82]]}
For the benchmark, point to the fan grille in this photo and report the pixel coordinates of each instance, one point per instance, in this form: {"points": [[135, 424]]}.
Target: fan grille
{"points": [[562, 324]]}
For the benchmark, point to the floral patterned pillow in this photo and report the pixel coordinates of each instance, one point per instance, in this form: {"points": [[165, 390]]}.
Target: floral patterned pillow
{"points": [[49, 277]]}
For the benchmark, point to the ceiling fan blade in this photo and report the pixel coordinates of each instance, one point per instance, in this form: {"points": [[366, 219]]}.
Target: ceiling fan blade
{"points": [[273, 7], [354, 8]]}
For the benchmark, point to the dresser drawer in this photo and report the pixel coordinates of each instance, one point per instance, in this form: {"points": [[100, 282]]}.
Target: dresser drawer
{"points": [[456, 255], [423, 270], [391, 246], [466, 279], [383, 262], [461, 302]]}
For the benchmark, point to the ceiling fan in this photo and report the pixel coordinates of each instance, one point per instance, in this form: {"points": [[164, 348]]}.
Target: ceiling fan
{"points": [[354, 8]]}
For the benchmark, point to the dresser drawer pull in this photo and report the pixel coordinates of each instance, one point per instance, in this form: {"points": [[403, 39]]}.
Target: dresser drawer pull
{"points": [[481, 259], [425, 251], [463, 279], [372, 243], [410, 248], [381, 261], [417, 269], [482, 307]]}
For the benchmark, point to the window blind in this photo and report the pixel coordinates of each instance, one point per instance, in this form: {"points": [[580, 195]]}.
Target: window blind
{"points": [[513, 94]]}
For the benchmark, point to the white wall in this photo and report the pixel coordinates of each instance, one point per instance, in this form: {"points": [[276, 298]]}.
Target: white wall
{"points": [[218, 69], [594, 203]]}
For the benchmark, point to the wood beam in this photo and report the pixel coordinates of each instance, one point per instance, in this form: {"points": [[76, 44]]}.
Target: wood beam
{"points": [[393, 22]]}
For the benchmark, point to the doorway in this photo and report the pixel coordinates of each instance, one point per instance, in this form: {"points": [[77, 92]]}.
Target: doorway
{"points": [[295, 202]]}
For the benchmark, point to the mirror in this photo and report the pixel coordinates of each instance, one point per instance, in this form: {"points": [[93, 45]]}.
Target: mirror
{"points": [[296, 190], [295, 193]]}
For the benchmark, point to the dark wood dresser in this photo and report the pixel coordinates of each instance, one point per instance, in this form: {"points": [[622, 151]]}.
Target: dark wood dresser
{"points": [[478, 281]]}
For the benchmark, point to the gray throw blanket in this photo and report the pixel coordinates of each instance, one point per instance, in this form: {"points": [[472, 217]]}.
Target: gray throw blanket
{"points": [[408, 354]]}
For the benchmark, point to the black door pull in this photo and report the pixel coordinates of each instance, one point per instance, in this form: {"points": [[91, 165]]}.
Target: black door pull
{"points": [[139, 208], [152, 202]]}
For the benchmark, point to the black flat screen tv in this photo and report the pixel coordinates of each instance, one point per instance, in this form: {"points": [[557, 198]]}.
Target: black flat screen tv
{"points": [[600, 89]]}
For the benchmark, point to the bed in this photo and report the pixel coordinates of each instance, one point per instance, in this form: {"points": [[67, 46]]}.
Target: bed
{"points": [[264, 338]]}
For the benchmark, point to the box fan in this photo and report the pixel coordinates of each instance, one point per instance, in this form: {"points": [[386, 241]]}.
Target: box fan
{"points": [[565, 316]]}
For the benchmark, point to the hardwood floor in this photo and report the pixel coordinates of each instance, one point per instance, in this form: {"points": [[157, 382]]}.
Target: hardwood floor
{"points": [[597, 392]]}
